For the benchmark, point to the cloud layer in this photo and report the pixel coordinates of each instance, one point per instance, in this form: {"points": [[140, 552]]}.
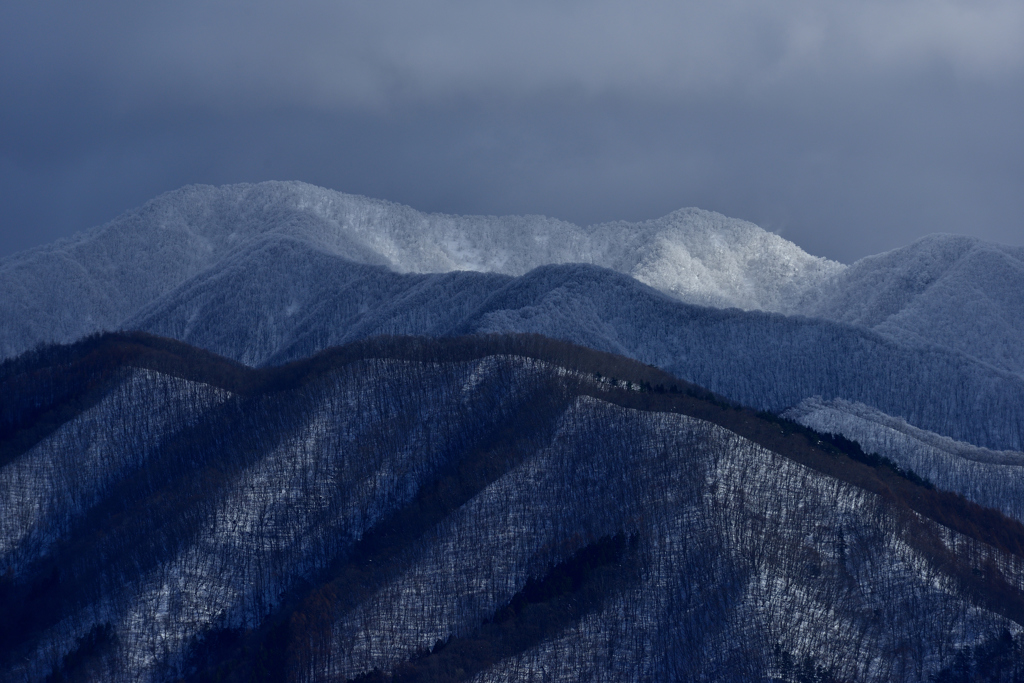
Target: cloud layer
{"points": [[849, 127], [345, 53]]}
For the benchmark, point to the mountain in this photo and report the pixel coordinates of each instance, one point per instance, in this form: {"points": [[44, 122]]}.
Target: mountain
{"points": [[101, 278], [990, 478], [276, 271], [282, 485], [958, 292], [487, 508], [282, 300]]}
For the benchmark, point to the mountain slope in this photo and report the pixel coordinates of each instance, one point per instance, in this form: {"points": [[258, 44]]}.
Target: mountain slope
{"points": [[283, 300], [960, 292], [282, 292], [765, 360], [990, 478], [268, 272], [102, 277], [471, 507]]}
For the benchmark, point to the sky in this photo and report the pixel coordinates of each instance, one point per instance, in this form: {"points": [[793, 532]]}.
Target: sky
{"points": [[849, 128]]}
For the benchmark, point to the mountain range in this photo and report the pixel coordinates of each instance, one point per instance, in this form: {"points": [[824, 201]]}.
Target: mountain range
{"points": [[477, 508], [269, 272], [100, 279], [335, 438]]}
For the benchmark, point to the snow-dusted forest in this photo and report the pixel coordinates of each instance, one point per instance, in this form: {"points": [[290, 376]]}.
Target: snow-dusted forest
{"points": [[276, 271], [791, 469], [519, 504], [284, 300]]}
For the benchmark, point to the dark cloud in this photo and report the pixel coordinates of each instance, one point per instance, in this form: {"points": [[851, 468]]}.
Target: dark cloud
{"points": [[848, 128]]}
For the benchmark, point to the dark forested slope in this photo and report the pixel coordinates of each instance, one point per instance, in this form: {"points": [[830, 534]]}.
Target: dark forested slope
{"points": [[491, 508]]}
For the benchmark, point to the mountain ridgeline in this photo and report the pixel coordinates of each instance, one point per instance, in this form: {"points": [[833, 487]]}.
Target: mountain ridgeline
{"points": [[278, 433], [100, 278], [932, 333], [486, 508], [284, 300]]}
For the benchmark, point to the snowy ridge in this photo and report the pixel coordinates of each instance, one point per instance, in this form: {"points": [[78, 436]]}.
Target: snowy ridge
{"points": [[960, 292], [102, 277], [956, 292], [272, 272], [282, 300], [987, 477]]}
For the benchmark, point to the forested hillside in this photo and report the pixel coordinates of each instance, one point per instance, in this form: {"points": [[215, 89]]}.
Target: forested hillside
{"points": [[960, 292], [478, 508], [991, 478], [932, 333], [338, 439], [284, 300]]}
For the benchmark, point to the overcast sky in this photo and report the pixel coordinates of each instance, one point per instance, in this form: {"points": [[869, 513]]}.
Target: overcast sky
{"points": [[847, 127]]}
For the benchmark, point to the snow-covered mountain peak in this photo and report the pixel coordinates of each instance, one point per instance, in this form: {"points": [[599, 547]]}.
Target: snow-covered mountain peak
{"points": [[706, 258], [698, 256], [878, 286], [881, 285], [103, 276], [959, 292]]}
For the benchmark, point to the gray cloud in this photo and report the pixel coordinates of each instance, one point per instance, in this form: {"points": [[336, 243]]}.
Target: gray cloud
{"points": [[847, 127]]}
